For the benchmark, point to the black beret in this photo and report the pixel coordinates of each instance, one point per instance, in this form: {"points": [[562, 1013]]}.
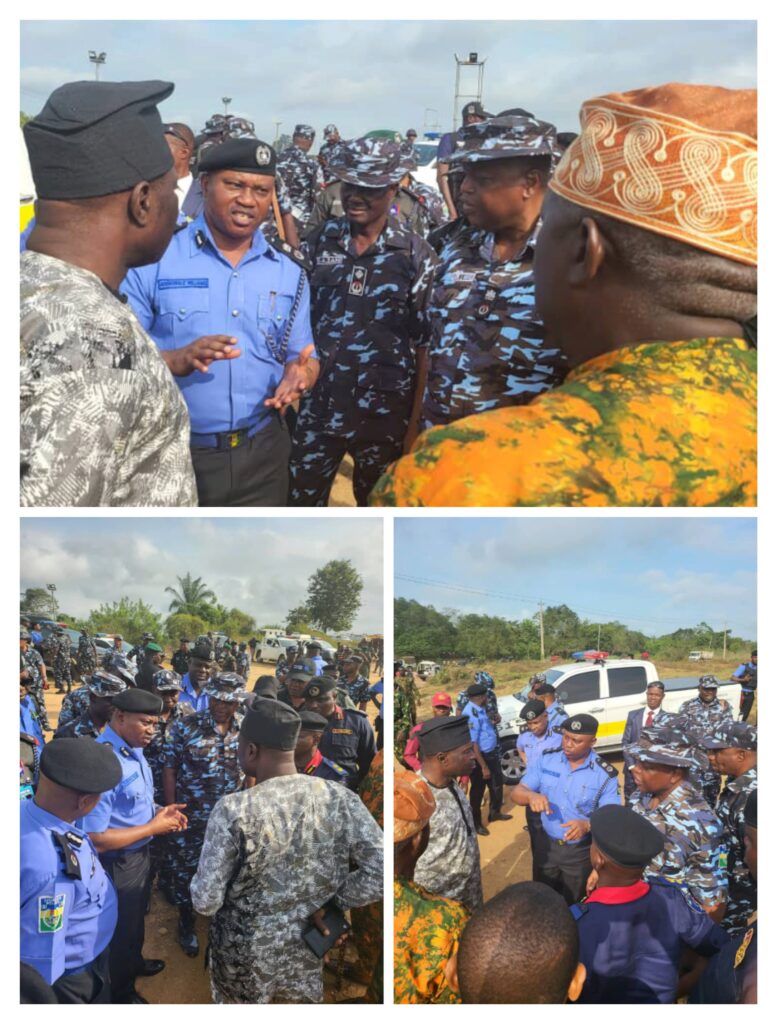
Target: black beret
{"points": [[139, 702], [581, 725], [203, 651], [625, 837], [319, 685], [751, 810], [330, 667], [266, 687], [270, 723], [250, 155], [311, 721], [532, 709], [98, 138], [81, 763], [477, 690], [439, 735], [544, 688]]}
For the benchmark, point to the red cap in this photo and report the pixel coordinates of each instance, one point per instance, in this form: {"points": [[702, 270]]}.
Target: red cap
{"points": [[441, 700]]}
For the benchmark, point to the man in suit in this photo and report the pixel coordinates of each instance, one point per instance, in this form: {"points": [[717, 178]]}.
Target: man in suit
{"points": [[636, 721]]}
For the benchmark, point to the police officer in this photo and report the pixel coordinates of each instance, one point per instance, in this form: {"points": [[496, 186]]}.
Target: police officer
{"points": [[29, 719], [102, 688], [488, 769], [532, 741], [703, 714], [487, 348], [121, 826], [348, 739], [138, 650], [307, 757], [354, 682], [76, 703], [416, 205], [313, 655], [61, 645], [557, 714], [296, 679], [448, 179], [328, 147], [33, 673], [149, 664], [68, 905], [695, 848], [747, 675], [201, 663], [230, 313], [633, 933], [200, 766], [300, 174], [86, 656], [370, 282], [733, 751], [566, 784], [243, 661], [180, 661]]}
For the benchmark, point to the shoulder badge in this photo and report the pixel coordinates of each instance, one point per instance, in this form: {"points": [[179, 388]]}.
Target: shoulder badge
{"points": [[334, 766], [611, 771], [740, 953], [295, 255], [51, 913], [124, 752], [72, 867], [577, 910]]}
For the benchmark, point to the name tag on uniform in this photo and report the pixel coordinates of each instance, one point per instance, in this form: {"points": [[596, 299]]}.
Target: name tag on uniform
{"points": [[330, 259], [547, 771], [51, 913], [358, 281], [460, 277], [343, 732], [181, 282]]}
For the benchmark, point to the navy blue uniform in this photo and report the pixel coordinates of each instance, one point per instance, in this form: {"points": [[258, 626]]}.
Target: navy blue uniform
{"points": [[631, 941], [349, 741]]}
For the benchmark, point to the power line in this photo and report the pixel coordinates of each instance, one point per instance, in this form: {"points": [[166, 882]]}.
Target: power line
{"points": [[529, 600]]}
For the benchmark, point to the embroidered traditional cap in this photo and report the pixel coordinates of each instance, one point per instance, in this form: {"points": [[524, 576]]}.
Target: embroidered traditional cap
{"points": [[250, 155], [532, 709], [414, 804], [506, 136], [305, 131], [371, 163], [678, 160], [625, 837]]}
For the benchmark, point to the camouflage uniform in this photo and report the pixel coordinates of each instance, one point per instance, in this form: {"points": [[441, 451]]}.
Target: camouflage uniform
{"points": [[695, 850], [301, 176], [492, 708], [244, 664], [368, 314], [704, 718], [742, 888], [162, 847], [102, 420], [368, 318], [86, 657], [406, 697], [327, 151], [34, 665], [207, 768], [272, 856], [450, 866], [358, 690], [180, 662], [73, 706], [328, 206], [419, 208], [81, 726], [62, 677]]}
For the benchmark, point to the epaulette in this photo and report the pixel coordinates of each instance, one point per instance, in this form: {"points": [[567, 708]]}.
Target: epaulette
{"points": [[296, 255], [611, 771], [551, 750], [659, 881], [577, 910], [180, 227], [334, 766]]}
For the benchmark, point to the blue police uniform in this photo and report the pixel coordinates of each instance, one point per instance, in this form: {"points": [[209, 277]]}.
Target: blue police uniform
{"points": [[29, 721], [572, 793], [532, 746], [128, 804], [68, 904], [747, 672], [632, 938], [483, 732], [556, 715], [349, 741], [264, 302], [199, 701], [318, 662]]}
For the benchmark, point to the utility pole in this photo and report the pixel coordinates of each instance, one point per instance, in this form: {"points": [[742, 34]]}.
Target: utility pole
{"points": [[226, 100], [725, 631], [599, 637], [51, 587], [542, 635], [97, 59], [277, 131], [470, 61]]}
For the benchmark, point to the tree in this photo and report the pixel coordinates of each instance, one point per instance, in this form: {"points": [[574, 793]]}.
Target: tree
{"points": [[130, 618], [237, 623], [36, 603], [193, 598], [182, 625], [334, 595], [298, 620]]}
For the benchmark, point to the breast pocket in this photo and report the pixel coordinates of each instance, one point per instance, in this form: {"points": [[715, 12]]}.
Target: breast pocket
{"points": [[272, 318], [184, 314]]}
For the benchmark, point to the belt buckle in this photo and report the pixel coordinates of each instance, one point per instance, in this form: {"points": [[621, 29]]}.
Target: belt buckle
{"points": [[234, 438]]}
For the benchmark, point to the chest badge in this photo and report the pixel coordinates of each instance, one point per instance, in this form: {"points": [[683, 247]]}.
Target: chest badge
{"points": [[358, 281], [51, 913]]}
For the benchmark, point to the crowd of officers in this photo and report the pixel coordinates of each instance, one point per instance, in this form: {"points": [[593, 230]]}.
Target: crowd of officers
{"points": [[259, 809], [657, 870]]}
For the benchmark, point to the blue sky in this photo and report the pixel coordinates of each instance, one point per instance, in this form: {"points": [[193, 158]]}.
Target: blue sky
{"points": [[373, 74], [655, 574], [258, 565]]}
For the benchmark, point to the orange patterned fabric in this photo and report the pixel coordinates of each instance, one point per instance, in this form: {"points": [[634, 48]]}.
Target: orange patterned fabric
{"points": [[413, 804], [678, 160]]}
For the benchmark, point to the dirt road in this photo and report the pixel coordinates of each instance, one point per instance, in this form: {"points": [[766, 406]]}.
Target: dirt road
{"points": [[185, 980]]}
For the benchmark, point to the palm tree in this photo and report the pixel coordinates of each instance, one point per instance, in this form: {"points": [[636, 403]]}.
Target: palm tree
{"points": [[194, 596]]}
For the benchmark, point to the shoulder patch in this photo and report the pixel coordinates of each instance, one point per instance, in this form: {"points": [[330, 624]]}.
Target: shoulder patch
{"points": [[611, 771], [295, 255], [51, 913]]}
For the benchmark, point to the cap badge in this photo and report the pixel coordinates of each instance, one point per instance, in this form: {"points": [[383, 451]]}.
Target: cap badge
{"points": [[263, 156], [577, 726], [314, 691]]}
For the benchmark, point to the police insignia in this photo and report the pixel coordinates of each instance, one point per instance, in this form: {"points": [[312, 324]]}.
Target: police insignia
{"points": [[51, 913], [740, 954], [576, 726], [530, 715], [314, 691], [358, 281], [263, 156]]}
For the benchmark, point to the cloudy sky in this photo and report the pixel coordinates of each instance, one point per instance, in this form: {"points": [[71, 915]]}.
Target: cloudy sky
{"points": [[258, 565], [372, 74], [654, 574]]}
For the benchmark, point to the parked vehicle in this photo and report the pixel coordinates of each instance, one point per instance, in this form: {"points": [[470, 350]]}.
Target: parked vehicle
{"points": [[608, 690], [700, 656], [427, 669], [273, 648]]}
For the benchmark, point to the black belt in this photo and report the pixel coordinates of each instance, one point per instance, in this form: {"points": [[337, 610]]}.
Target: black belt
{"points": [[229, 439]]}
